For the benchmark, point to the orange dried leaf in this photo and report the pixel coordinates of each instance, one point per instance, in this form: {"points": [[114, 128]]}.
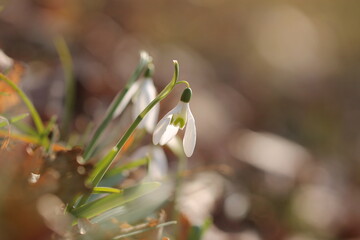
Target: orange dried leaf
{"points": [[10, 97], [4, 141]]}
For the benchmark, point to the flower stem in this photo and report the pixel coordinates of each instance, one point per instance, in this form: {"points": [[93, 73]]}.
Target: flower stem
{"points": [[145, 59], [34, 114], [184, 82], [103, 165]]}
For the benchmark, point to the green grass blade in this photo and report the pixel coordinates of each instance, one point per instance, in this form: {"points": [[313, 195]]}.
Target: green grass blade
{"points": [[145, 59], [51, 124], [101, 167], [70, 85], [99, 206], [34, 114], [99, 190], [128, 166], [25, 128], [15, 119]]}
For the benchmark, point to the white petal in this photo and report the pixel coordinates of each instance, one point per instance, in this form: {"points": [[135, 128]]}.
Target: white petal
{"points": [[5, 61], [144, 96], [168, 134], [158, 166], [151, 118], [177, 109], [163, 123], [130, 93], [190, 135], [161, 128]]}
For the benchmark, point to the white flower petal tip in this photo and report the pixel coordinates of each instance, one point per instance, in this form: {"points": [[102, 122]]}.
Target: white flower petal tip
{"points": [[5, 61], [189, 141], [141, 93], [143, 98], [176, 119]]}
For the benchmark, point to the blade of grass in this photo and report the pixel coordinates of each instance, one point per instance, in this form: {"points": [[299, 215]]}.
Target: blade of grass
{"points": [[51, 127], [5, 141], [15, 119], [25, 128], [145, 59], [99, 190], [128, 166], [70, 87], [34, 114], [138, 209], [99, 206]]}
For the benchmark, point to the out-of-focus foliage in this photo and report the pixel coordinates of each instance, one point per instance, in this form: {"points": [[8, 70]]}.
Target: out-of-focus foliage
{"points": [[276, 104]]}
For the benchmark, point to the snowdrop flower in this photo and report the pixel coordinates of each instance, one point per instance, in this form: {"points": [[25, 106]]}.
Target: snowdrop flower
{"points": [[176, 119], [142, 92], [5, 61]]}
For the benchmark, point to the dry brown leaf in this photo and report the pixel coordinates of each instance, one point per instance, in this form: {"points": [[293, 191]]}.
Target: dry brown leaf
{"points": [[11, 98]]}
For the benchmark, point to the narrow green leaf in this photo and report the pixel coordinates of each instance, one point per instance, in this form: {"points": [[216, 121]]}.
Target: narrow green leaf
{"points": [[101, 167], [18, 117], [51, 124], [101, 205], [25, 128], [100, 190], [34, 114], [15, 119], [128, 166]]}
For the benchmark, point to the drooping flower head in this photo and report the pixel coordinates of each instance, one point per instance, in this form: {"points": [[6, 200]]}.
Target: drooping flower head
{"points": [[176, 119], [142, 92]]}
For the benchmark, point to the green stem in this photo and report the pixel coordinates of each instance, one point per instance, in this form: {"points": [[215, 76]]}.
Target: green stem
{"points": [[145, 59], [184, 82], [34, 114], [103, 165]]}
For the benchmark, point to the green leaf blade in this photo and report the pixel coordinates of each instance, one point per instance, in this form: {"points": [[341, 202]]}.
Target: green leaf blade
{"points": [[99, 206]]}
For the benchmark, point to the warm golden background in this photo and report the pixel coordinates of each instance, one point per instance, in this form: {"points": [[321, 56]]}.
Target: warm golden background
{"points": [[276, 98]]}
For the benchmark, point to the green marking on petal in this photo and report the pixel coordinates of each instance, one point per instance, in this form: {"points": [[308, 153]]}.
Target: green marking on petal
{"points": [[179, 121]]}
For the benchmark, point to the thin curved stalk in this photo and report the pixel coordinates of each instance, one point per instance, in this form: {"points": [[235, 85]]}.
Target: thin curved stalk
{"points": [[34, 114]]}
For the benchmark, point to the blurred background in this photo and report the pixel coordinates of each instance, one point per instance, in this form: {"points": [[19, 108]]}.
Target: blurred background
{"points": [[276, 94]]}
